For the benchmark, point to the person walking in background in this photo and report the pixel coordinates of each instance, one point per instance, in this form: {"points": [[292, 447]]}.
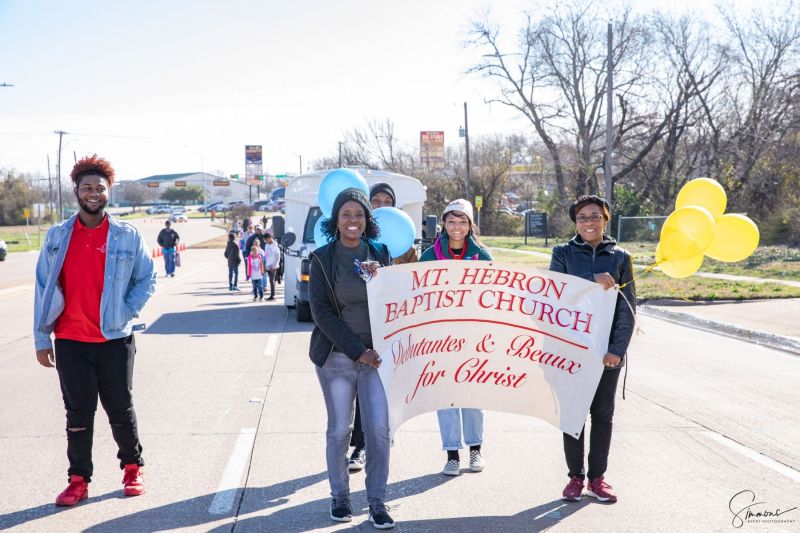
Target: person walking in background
{"points": [[168, 239], [271, 261], [255, 271], [380, 195], [459, 240], [234, 258], [594, 256], [341, 349], [93, 277]]}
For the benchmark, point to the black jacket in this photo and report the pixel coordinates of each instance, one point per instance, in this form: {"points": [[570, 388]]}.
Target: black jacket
{"points": [[232, 254], [579, 259], [167, 238], [330, 331]]}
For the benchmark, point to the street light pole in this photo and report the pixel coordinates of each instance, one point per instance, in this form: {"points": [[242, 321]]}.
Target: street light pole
{"points": [[58, 174], [466, 144], [609, 119]]}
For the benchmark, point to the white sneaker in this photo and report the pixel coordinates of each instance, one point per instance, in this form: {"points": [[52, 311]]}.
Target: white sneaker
{"points": [[476, 462], [452, 468]]}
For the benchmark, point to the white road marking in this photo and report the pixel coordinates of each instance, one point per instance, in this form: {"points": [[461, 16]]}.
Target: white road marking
{"points": [[792, 474], [232, 477], [554, 509], [161, 284], [272, 345], [16, 290]]}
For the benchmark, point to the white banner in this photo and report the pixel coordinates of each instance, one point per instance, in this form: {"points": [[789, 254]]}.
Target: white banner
{"points": [[479, 334]]}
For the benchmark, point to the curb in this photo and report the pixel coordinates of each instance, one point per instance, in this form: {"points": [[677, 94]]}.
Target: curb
{"points": [[769, 340]]}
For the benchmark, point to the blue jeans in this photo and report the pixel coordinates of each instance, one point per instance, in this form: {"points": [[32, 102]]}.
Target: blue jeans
{"points": [[341, 379], [453, 421], [258, 290], [169, 260], [233, 276]]}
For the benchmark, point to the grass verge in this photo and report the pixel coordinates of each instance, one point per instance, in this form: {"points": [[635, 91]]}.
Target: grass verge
{"points": [[658, 286]]}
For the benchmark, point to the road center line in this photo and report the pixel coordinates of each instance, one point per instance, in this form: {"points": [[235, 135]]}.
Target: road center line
{"points": [[232, 476], [792, 474], [16, 290], [272, 345]]}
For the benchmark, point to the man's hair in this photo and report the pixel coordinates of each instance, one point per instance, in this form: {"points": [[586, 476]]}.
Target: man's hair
{"points": [[268, 235], [92, 165]]}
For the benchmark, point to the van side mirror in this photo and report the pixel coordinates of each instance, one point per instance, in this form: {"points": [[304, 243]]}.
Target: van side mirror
{"points": [[288, 239]]}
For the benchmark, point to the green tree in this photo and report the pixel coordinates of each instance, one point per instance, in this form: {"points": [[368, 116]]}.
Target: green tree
{"points": [[183, 195], [15, 195]]}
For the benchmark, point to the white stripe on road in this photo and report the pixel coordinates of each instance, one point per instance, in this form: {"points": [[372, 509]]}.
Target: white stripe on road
{"points": [[272, 345], [16, 290], [161, 284], [232, 477], [754, 455], [553, 510]]}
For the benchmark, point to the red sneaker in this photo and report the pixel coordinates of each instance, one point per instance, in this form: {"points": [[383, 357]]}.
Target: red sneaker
{"points": [[76, 491], [133, 480], [601, 490], [573, 492]]}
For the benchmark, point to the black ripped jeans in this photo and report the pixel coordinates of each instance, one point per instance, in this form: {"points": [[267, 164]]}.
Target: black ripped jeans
{"points": [[86, 371], [602, 412]]}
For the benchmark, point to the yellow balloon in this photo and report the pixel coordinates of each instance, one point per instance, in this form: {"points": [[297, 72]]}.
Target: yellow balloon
{"points": [[704, 192], [687, 232], [682, 268], [735, 238]]}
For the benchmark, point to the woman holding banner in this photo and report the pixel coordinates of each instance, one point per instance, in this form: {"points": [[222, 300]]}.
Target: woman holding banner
{"points": [[459, 241], [595, 256], [341, 348]]}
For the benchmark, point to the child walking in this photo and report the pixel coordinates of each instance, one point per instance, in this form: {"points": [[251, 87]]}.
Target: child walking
{"points": [[234, 259], [255, 271]]}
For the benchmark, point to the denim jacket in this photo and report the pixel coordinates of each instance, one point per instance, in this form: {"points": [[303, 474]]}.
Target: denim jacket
{"points": [[130, 280]]}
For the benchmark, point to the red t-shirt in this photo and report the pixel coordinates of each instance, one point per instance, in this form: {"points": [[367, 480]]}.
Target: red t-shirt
{"points": [[81, 280]]}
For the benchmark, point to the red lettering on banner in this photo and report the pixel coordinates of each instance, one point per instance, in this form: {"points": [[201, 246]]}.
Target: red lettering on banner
{"points": [[426, 379], [522, 346], [473, 371], [426, 301], [402, 352], [417, 282]]}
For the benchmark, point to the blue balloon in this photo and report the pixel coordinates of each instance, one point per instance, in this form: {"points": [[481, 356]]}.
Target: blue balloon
{"points": [[319, 238], [397, 229], [335, 182]]}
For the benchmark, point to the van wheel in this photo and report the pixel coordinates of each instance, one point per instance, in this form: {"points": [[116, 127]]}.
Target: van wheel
{"points": [[304, 312]]}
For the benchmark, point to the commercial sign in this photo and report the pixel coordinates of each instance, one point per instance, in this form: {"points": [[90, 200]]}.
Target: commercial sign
{"points": [[152, 184], [484, 335], [431, 149], [180, 183], [221, 183], [253, 164]]}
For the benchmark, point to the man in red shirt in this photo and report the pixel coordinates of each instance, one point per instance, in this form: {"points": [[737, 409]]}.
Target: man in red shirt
{"points": [[105, 276]]}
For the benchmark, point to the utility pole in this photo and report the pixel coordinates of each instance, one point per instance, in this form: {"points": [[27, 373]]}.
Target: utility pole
{"points": [[301, 163], [609, 119], [340, 154], [50, 192], [466, 144], [58, 174]]}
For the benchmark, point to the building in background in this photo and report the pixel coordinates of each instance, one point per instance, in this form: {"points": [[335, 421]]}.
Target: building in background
{"points": [[148, 190]]}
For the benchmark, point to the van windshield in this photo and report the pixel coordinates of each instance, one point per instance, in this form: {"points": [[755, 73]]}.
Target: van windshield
{"points": [[311, 220]]}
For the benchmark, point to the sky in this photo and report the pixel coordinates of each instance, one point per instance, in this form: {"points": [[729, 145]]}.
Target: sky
{"points": [[160, 87]]}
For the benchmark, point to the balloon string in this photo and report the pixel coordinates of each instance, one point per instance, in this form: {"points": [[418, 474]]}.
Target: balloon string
{"points": [[639, 330]]}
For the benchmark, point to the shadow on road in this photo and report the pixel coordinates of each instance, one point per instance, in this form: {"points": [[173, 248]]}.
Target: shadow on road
{"points": [[42, 511], [237, 319]]}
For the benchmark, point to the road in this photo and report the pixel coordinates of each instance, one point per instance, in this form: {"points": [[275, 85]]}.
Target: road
{"points": [[232, 422]]}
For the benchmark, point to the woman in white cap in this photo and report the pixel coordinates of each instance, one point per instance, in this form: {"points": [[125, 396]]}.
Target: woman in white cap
{"points": [[457, 426]]}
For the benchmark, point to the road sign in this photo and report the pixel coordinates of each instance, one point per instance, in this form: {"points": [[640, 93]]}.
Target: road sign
{"points": [[26, 213], [479, 201], [536, 225], [280, 176]]}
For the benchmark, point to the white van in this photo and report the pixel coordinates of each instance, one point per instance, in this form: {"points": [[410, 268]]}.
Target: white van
{"points": [[302, 212]]}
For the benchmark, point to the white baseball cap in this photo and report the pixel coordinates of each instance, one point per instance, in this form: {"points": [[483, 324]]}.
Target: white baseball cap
{"points": [[459, 205]]}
